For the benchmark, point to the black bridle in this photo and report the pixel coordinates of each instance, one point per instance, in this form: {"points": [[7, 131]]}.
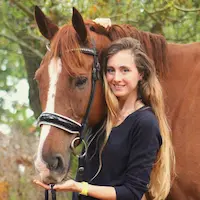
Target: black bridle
{"points": [[70, 125]]}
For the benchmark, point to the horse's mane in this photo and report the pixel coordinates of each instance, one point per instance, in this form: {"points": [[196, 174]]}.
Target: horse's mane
{"points": [[155, 45], [66, 39]]}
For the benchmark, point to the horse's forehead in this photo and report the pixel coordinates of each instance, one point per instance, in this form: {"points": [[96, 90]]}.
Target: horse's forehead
{"points": [[68, 68], [62, 46]]}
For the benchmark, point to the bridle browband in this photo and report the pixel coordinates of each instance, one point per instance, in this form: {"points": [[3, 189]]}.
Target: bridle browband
{"points": [[69, 125]]}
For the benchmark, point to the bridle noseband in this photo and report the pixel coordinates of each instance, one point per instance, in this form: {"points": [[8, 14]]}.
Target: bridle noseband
{"points": [[60, 122], [69, 125]]}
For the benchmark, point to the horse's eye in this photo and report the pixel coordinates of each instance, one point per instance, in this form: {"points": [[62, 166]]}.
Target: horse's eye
{"points": [[80, 81]]}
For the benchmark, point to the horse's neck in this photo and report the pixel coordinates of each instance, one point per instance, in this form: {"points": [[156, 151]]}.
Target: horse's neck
{"points": [[182, 74], [101, 125], [97, 131]]}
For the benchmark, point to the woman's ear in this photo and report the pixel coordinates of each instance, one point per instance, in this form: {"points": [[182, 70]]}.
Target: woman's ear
{"points": [[141, 75]]}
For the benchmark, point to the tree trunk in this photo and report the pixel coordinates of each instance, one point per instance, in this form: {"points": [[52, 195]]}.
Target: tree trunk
{"points": [[32, 62]]}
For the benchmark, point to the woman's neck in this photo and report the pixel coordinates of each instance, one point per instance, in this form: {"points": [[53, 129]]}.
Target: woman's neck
{"points": [[128, 106], [128, 102]]}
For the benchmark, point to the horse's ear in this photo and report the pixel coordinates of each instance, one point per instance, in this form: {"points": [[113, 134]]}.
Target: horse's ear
{"points": [[79, 25], [45, 25]]}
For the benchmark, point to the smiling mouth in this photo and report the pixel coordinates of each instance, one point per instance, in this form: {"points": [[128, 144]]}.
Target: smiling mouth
{"points": [[118, 86]]}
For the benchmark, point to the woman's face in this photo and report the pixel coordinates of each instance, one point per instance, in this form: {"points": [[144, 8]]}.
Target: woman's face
{"points": [[122, 74]]}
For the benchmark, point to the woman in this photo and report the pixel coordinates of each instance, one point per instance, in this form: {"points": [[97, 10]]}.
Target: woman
{"points": [[136, 154]]}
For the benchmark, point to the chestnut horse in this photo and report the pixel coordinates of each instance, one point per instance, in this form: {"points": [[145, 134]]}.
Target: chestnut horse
{"points": [[64, 78]]}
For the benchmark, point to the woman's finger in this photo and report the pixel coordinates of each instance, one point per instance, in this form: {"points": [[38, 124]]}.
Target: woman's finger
{"points": [[42, 184], [63, 186], [66, 186], [58, 187]]}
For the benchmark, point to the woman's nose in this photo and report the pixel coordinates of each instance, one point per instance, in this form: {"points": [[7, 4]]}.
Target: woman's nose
{"points": [[117, 77]]}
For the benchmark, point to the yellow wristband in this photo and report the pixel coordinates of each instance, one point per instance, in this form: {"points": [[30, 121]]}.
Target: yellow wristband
{"points": [[84, 190]]}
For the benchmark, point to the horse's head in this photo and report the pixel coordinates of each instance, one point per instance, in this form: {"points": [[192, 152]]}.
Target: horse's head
{"points": [[65, 82]]}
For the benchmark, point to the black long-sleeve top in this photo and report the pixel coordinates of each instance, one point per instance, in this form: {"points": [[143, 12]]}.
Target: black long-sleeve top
{"points": [[127, 157]]}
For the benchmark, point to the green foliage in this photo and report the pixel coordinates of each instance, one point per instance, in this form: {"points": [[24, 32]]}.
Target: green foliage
{"points": [[12, 65], [22, 46]]}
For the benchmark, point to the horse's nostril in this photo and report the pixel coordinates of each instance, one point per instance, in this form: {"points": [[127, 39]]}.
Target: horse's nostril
{"points": [[56, 163]]}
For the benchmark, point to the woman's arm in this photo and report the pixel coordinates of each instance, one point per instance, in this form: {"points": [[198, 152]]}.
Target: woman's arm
{"points": [[98, 192], [145, 143]]}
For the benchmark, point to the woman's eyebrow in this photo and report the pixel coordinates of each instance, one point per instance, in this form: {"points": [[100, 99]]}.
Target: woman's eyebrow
{"points": [[110, 66], [124, 66]]}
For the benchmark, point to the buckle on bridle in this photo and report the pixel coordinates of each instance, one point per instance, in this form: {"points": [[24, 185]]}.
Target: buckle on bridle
{"points": [[74, 146]]}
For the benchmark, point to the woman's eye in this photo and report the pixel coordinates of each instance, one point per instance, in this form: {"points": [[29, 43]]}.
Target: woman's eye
{"points": [[126, 70], [110, 70], [80, 81]]}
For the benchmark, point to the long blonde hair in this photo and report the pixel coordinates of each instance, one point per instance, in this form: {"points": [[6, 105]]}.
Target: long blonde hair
{"points": [[149, 88]]}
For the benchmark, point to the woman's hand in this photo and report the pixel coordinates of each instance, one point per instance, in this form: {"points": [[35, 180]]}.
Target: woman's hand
{"points": [[98, 192], [70, 186]]}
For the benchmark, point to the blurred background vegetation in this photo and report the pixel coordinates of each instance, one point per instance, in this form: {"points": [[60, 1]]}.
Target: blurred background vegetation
{"points": [[22, 48]]}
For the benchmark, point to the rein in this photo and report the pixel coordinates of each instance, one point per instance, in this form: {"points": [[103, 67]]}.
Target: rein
{"points": [[53, 193], [71, 126]]}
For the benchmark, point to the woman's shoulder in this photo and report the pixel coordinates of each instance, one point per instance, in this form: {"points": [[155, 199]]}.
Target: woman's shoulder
{"points": [[145, 123], [144, 115]]}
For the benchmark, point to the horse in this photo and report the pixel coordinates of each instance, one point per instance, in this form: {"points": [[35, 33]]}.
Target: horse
{"points": [[65, 79]]}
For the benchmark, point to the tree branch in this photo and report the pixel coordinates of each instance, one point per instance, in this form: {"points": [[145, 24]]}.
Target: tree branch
{"points": [[129, 21], [185, 9], [22, 43], [159, 10], [9, 27], [181, 39], [10, 50], [122, 14], [24, 9], [42, 39], [15, 52], [154, 18]]}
